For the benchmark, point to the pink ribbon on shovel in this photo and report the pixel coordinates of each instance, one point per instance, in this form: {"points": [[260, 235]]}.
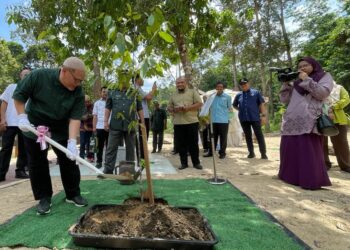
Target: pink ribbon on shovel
{"points": [[42, 130]]}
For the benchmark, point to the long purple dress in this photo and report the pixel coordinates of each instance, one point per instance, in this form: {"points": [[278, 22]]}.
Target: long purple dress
{"points": [[301, 151]]}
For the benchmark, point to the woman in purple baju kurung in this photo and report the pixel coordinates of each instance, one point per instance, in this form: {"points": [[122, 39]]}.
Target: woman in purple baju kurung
{"points": [[301, 150]]}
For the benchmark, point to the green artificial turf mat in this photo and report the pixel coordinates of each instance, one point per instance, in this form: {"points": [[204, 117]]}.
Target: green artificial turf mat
{"points": [[237, 222]]}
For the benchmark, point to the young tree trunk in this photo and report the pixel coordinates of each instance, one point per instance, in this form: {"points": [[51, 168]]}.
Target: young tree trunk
{"points": [[259, 47], [284, 33], [234, 69], [185, 60], [97, 76]]}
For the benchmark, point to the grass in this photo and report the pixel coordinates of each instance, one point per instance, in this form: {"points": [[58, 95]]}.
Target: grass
{"points": [[237, 222]]}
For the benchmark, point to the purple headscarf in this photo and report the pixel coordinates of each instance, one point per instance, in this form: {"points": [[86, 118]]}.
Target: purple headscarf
{"points": [[316, 74]]}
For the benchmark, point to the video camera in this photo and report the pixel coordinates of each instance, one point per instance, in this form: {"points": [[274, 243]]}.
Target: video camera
{"points": [[285, 74]]}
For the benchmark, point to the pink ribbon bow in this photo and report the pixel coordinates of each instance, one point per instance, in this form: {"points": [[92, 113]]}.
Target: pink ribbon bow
{"points": [[42, 130]]}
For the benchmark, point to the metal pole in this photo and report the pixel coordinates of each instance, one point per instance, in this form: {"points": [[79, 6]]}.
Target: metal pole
{"points": [[215, 180]]}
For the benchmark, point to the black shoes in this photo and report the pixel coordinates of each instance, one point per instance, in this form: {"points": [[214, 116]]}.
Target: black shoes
{"points": [[108, 171], [346, 169], [78, 201], [44, 206], [264, 157], [174, 152], [222, 156], [208, 155], [2, 178], [98, 165], [183, 166], [198, 166], [21, 175], [251, 155]]}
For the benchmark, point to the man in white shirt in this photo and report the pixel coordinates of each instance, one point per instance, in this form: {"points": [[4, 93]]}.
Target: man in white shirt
{"points": [[98, 113], [146, 97], [9, 124]]}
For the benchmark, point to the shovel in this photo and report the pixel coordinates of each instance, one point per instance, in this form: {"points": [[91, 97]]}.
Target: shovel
{"points": [[79, 159]]}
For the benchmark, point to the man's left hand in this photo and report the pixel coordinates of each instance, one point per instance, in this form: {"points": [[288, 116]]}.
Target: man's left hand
{"points": [[263, 120]]}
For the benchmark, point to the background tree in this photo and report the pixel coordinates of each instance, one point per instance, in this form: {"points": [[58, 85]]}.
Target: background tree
{"points": [[9, 66]]}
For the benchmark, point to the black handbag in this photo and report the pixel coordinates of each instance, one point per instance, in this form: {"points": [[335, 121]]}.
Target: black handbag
{"points": [[326, 126]]}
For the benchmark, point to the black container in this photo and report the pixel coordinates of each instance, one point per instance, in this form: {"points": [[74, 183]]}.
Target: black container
{"points": [[112, 241]]}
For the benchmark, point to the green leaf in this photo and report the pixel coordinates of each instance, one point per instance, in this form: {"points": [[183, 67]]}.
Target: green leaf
{"points": [[65, 29], [127, 58], [42, 35], [129, 8], [150, 20], [151, 61], [107, 21], [111, 33], [51, 37], [136, 16], [144, 69], [128, 40], [166, 36], [120, 115], [121, 43]]}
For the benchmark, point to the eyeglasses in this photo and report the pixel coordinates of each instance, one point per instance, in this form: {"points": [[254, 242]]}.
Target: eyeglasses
{"points": [[76, 80]]}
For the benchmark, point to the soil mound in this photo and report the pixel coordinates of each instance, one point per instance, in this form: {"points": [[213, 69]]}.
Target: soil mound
{"points": [[146, 221]]}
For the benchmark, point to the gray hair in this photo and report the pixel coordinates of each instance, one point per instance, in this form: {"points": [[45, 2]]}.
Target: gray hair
{"points": [[74, 63]]}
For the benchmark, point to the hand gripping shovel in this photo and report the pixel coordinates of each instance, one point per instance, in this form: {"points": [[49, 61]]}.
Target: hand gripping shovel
{"points": [[79, 159]]}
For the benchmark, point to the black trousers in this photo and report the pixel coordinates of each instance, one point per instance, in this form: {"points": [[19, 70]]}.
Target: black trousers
{"points": [[8, 139], [341, 148], [102, 140], [175, 148], [157, 140], [206, 138], [186, 137], [220, 130], [246, 126], [40, 175], [147, 125]]}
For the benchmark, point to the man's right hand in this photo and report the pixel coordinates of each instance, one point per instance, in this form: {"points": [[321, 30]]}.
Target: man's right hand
{"points": [[106, 126], [23, 122]]}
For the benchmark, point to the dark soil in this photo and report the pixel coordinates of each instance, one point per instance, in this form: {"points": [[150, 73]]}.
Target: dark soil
{"points": [[142, 220]]}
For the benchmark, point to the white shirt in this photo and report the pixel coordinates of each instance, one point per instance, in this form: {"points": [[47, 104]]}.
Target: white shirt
{"points": [[11, 112], [144, 103], [99, 111]]}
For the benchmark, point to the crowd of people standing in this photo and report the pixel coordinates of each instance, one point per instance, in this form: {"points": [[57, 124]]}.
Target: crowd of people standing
{"points": [[54, 98]]}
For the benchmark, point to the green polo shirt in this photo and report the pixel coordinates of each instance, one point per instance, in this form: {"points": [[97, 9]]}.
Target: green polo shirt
{"points": [[122, 112], [157, 120], [49, 102]]}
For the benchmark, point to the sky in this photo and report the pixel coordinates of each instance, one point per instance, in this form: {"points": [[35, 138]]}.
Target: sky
{"points": [[5, 29]]}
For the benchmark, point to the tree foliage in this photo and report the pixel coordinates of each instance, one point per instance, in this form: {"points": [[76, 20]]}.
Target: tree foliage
{"points": [[9, 66]]}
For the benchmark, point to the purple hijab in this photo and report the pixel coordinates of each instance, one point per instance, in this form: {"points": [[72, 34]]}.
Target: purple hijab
{"points": [[316, 74]]}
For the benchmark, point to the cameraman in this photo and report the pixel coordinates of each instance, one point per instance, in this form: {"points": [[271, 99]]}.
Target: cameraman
{"points": [[302, 162]]}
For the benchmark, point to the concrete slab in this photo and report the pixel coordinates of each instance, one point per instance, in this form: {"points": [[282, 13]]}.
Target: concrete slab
{"points": [[159, 165]]}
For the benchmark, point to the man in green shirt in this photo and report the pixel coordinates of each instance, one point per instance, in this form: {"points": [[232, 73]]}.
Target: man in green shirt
{"points": [[184, 106], [119, 111], [158, 125], [55, 100]]}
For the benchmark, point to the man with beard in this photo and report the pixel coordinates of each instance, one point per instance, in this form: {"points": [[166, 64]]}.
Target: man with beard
{"points": [[184, 106]]}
